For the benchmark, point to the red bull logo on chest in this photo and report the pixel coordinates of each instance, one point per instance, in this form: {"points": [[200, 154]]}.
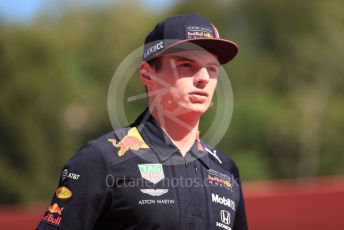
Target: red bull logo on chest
{"points": [[132, 141]]}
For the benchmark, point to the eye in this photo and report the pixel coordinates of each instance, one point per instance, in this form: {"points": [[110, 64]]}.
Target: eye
{"points": [[186, 65], [213, 69]]}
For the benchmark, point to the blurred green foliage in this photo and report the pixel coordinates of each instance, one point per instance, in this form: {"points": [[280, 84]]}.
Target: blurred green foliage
{"points": [[288, 119]]}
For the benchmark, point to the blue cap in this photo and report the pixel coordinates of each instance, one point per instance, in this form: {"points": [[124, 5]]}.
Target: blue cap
{"points": [[178, 30]]}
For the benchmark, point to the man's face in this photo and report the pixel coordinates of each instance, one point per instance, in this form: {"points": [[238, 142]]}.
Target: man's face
{"points": [[185, 83]]}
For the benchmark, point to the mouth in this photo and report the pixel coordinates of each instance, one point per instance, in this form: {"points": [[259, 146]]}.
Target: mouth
{"points": [[199, 93], [198, 96]]}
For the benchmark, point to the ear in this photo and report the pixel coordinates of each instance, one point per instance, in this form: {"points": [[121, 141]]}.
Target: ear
{"points": [[145, 73]]}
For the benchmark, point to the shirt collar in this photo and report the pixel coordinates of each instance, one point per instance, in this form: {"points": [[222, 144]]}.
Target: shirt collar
{"points": [[162, 145]]}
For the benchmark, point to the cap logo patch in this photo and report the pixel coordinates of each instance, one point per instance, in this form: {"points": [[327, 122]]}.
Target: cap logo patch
{"points": [[198, 32], [153, 49]]}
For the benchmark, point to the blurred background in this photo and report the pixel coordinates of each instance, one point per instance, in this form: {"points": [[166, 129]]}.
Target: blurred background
{"points": [[57, 59]]}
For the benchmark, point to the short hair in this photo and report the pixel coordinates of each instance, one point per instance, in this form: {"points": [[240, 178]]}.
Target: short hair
{"points": [[155, 63]]}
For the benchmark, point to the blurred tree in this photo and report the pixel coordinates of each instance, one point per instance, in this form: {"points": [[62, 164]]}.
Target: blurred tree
{"points": [[285, 78], [55, 73], [298, 49], [33, 136]]}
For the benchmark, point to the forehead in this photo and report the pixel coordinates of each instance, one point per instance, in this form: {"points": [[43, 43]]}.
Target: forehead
{"points": [[201, 57]]}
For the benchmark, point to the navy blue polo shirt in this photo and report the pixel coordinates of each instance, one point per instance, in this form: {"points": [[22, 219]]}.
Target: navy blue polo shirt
{"points": [[136, 178]]}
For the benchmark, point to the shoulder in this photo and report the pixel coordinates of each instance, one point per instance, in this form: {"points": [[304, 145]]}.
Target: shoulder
{"points": [[93, 149], [106, 149]]}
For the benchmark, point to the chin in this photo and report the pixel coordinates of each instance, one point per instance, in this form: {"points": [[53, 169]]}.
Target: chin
{"points": [[197, 109]]}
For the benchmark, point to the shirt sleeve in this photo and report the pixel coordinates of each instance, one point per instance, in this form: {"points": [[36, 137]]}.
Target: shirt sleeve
{"points": [[82, 196]]}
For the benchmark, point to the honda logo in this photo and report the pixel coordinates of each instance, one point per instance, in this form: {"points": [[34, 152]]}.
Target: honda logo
{"points": [[225, 217]]}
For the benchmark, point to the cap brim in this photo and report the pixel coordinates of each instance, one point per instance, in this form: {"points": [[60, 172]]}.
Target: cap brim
{"points": [[225, 50]]}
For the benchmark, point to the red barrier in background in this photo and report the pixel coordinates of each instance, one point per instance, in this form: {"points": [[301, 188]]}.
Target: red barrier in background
{"points": [[315, 204], [271, 205]]}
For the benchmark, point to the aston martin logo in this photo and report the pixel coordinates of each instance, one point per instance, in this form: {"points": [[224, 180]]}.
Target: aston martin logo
{"points": [[154, 192]]}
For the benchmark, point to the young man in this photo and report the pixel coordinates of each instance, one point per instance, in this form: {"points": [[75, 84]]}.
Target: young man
{"points": [[157, 173]]}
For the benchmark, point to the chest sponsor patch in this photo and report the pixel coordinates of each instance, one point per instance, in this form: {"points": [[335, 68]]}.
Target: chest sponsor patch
{"points": [[65, 174], [63, 192], [53, 216], [215, 198], [225, 220], [221, 179], [152, 172], [155, 201], [52, 219], [154, 192], [55, 208]]}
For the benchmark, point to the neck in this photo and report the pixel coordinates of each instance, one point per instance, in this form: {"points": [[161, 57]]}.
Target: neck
{"points": [[182, 130]]}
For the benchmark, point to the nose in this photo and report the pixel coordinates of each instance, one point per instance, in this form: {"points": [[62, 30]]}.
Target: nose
{"points": [[201, 78]]}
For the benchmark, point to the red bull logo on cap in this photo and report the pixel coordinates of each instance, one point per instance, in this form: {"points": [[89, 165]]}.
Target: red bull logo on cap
{"points": [[132, 141]]}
